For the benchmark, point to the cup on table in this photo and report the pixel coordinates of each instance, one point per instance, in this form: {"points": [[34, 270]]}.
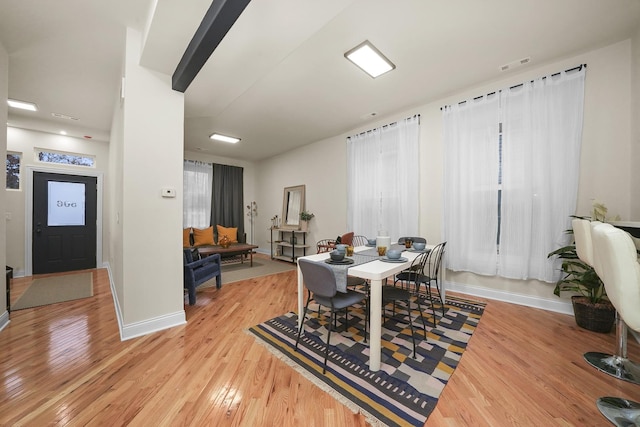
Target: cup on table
{"points": [[349, 250], [382, 250], [408, 243]]}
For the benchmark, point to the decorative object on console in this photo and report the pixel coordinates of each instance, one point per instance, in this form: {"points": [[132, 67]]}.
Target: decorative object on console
{"points": [[224, 241], [305, 217]]}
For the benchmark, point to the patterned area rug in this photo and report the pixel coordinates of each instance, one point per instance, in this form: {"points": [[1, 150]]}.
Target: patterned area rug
{"points": [[405, 390]]}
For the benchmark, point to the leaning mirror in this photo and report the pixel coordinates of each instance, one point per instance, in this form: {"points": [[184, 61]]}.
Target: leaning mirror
{"points": [[292, 205]]}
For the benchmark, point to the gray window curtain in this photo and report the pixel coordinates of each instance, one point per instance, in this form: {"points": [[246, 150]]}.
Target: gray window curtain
{"points": [[227, 207]]}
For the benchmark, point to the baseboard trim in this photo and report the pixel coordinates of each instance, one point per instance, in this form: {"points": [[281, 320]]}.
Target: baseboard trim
{"points": [[558, 306], [148, 326], [144, 327]]}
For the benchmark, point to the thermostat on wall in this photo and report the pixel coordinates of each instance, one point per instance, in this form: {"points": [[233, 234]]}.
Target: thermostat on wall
{"points": [[168, 192]]}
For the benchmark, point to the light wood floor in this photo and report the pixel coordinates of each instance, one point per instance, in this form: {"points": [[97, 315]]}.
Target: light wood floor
{"points": [[64, 364]]}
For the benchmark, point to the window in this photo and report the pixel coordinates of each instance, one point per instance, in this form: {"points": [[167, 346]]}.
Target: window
{"points": [[516, 150], [62, 158], [197, 184], [383, 174], [13, 171]]}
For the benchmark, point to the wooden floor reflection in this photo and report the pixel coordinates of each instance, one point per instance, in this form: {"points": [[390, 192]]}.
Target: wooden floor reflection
{"points": [[64, 364]]}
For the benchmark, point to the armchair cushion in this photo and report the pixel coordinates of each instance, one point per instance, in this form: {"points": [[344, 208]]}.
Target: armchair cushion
{"points": [[186, 237], [200, 271], [230, 232]]}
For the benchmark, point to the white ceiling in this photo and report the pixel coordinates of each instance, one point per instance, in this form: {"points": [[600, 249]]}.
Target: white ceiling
{"points": [[279, 79]]}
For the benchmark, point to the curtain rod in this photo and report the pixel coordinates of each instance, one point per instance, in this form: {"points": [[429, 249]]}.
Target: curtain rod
{"points": [[578, 68], [384, 126]]}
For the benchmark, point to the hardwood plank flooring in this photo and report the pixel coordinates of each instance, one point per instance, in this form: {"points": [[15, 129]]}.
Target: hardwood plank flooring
{"points": [[64, 364]]}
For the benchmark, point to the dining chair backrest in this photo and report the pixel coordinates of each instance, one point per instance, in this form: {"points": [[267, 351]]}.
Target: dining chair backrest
{"points": [[413, 239], [432, 266], [616, 262], [360, 240], [582, 237], [318, 277]]}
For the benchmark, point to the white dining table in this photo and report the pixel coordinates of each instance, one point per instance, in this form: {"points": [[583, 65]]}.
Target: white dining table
{"points": [[376, 272]]}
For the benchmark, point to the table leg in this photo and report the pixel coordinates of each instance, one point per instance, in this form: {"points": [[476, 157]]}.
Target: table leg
{"points": [[375, 346], [251, 258], [300, 297]]}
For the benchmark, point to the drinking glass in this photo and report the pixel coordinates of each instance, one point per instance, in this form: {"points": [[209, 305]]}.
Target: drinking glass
{"points": [[382, 250], [349, 250]]}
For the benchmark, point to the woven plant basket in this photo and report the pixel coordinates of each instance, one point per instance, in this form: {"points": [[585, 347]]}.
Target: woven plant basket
{"points": [[593, 317]]}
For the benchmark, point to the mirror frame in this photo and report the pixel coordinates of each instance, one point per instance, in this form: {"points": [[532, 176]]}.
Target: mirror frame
{"points": [[286, 202]]}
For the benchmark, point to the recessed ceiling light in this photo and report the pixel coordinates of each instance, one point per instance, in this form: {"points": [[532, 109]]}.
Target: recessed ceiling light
{"points": [[62, 132], [224, 138], [23, 105], [369, 59]]}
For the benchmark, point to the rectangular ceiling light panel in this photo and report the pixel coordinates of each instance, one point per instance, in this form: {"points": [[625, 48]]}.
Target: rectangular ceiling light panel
{"points": [[224, 138], [14, 103], [369, 59]]}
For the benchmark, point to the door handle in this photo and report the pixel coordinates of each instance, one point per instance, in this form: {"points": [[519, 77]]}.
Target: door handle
{"points": [[38, 228]]}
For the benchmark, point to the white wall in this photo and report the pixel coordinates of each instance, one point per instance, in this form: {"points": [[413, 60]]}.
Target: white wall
{"points": [[4, 94], [25, 142], [148, 141], [604, 174], [322, 168], [635, 124], [248, 178]]}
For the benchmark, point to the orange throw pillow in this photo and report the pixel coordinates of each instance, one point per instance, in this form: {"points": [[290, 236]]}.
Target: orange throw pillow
{"points": [[203, 236], [230, 232], [186, 237]]}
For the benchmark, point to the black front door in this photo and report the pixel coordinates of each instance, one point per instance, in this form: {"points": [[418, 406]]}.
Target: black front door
{"points": [[64, 222]]}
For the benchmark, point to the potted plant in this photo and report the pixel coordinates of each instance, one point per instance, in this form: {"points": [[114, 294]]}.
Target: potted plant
{"points": [[591, 307], [305, 217]]}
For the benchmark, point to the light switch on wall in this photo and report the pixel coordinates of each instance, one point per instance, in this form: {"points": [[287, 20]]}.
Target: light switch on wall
{"points": [[168, 192]]}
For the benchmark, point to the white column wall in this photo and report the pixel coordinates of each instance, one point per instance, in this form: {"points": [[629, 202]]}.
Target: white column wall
{"points": [[151, 238]]}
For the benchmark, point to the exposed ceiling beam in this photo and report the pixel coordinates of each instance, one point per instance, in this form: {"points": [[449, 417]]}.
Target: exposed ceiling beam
{"points": [[220, 17]]}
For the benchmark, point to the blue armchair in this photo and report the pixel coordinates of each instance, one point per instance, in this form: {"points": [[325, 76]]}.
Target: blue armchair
{"points": [[196, 272]]}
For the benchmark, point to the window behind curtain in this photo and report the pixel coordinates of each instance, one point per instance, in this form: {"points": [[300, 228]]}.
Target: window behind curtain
{"points": [[383, 180], [197, 179], [529, 172]]}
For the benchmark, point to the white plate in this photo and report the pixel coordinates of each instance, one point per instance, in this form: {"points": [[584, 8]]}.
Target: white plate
{"points": [[401, 259]]}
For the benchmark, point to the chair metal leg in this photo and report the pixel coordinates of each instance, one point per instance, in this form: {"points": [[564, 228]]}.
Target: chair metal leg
{"points": [[621, 412], [413, 338], [617, 365], [304, 316], [326, 351]]}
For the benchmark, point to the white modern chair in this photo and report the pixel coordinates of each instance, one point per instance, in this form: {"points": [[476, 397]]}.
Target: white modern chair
{"points": [[615, 261]]}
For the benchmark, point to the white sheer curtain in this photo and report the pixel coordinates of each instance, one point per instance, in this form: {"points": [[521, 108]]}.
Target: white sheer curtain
{"points": [[197, 180], [541, 138], [542, 133], [471, 167], [383, 180]]}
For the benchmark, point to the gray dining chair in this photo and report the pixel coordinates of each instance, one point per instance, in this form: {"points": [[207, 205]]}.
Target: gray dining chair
{"points": [[320, 282]]}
